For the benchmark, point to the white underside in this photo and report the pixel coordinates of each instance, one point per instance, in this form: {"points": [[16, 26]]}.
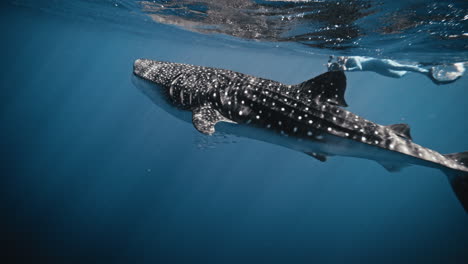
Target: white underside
{"points": [[329, 145]]}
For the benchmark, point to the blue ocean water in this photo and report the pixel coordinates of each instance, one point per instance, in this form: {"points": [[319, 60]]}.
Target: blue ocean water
{"points": [[94, 172]]}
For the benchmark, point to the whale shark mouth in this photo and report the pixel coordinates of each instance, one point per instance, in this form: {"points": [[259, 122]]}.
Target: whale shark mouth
{"points": [[141, 66]]}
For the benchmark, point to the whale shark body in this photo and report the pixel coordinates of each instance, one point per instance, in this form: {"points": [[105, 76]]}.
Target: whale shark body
{"points": [[307, 117]]}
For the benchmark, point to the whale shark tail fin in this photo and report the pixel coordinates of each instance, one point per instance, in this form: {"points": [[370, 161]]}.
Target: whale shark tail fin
{"points": [[459, 179]]}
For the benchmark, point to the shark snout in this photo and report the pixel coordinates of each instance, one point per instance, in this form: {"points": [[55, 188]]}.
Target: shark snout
{"points": [[140, 66]]}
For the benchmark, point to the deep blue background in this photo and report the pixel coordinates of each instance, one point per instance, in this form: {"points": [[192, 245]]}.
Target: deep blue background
{"points": [[92, 171]]}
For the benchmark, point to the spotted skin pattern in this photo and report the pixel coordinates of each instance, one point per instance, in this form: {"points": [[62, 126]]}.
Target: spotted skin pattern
{"points": [[308, 111]]}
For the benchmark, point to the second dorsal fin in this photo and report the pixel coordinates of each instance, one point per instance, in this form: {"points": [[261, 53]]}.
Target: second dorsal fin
{"points": [[329, 87], [402, 130]]}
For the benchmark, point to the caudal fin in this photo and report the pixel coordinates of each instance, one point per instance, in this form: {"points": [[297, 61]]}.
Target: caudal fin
{"points": [[459, 179]]}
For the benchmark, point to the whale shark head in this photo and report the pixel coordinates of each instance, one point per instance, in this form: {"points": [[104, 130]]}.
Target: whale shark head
{"points": [[149, 70], [153, 79], [158, 72]]}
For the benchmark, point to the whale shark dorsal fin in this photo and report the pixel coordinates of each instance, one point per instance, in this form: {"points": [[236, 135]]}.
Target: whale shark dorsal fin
{"points": [[204, 119], [329, 87], [318, 156], [402, 130]]}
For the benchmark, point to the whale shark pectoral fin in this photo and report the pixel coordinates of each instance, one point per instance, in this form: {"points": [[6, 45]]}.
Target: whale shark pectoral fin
{"points": [[318, 156], [392, 167], [329, 87], [204, 119], [402, 130]]}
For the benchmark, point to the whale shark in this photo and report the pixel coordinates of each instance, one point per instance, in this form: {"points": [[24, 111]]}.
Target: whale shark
{"points": [[309, 117]]}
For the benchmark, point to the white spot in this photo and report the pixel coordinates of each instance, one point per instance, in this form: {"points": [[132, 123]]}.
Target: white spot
{"points": [[363, 139], [310, 121], [229, 103], [240, 112], [299, 117], [334, 118], [258, 117], [376, 142], [279, 123], [307, 109], [329, 129], [347, 134], [309, 133], [268, 126], [295, 129], [376, 132], [282, 108]]}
